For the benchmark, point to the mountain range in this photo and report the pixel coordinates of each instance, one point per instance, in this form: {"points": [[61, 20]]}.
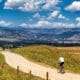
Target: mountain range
{"points": [[40, 35]]}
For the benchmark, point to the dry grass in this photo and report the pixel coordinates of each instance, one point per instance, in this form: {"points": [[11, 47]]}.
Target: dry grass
{"points": [[49, 55], [7, 73]]}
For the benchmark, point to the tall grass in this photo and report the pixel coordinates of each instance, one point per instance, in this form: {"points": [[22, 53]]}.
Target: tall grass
{"points": [[49, 55], [7, 73]]}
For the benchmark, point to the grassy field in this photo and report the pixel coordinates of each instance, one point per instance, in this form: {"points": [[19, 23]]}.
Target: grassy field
{"points": [[7, 73], [48, 55]]}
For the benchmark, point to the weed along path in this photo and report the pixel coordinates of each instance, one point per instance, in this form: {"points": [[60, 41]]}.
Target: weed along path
{"points": [[25, 65]]}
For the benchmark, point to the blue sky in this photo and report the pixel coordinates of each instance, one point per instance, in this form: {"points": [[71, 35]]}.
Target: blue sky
{"points": [[40, 13]]}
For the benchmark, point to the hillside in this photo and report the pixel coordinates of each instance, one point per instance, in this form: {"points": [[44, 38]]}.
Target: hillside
{"points": [[8, 73], [48, 55]]}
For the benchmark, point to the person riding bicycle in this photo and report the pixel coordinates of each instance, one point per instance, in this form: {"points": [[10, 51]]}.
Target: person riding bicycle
{"points": [[61, 63]]}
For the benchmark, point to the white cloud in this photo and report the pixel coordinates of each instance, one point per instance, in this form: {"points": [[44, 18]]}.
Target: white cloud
{"points": [[75, 6], [53, 14], [43, 18], [23, 25], [78, 20], [62, 17], [50, 3], [78, 24], [65, 25], [49, 24], [30, 5], [5, 24], [37, 15], [38, 24], [42, 24]]}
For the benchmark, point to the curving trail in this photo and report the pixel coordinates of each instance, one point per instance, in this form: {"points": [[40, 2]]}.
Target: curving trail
{"points": [[15, 60]]}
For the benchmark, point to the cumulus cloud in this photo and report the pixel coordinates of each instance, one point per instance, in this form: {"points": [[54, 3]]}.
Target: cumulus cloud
{"points": [[5, 24], [30, 5], [23, 25], [38, 24], [65, 25], [53, 14], [49, 24], [37, 15], [50, 3], [78, 20], [78, 24], [75, 6], [62, 17], [42, 24]]}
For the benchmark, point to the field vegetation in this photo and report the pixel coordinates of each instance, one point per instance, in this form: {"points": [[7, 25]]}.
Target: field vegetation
{"points": [[49, 55], [7, 73]]}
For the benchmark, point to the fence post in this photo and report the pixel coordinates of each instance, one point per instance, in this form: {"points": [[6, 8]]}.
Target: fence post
{"points": [[2, 65], [30, 74], [17, 70], [47, 76]]}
